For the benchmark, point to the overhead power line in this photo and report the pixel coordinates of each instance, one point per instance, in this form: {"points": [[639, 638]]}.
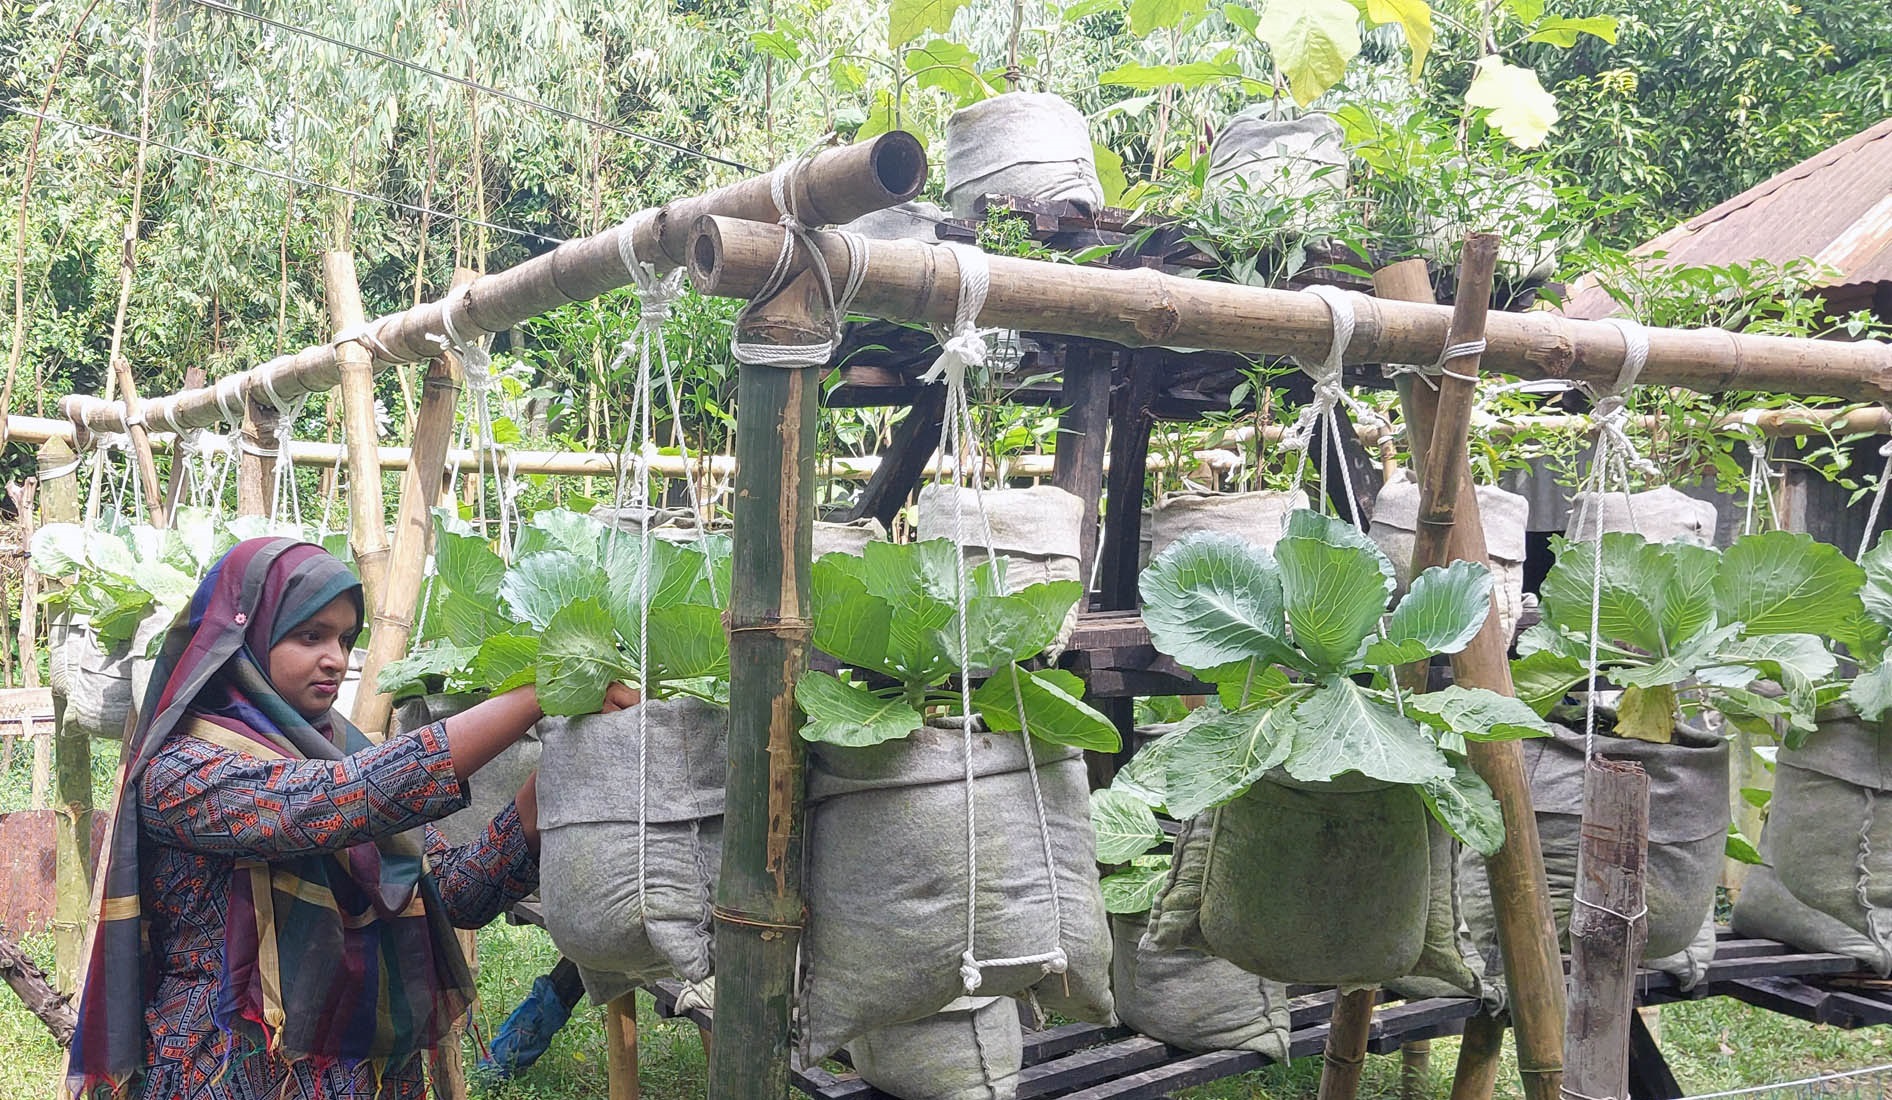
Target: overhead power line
{"points": [[415, 66], [289, 177]]}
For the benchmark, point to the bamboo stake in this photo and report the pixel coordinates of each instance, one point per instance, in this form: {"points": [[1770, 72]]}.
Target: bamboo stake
{"points": [[1479, 1052], [256, 461], [1607, 930], [72, 764], [1415, 1070], [1450, 528], [413, 533], [1347, 1035], [758, 898], [914, 281], [833, 186], [620, 1047], [367, 516]]}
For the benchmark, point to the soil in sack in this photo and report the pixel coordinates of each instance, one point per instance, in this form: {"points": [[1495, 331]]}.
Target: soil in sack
{"points": [[971, 1050], [887, 883]]}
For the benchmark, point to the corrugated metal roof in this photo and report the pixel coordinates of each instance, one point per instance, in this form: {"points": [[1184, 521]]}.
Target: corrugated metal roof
{"points": [[1834, 207]]}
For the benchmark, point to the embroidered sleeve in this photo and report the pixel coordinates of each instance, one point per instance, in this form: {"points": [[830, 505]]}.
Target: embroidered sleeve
{"points": [[481, 880], [203, 797]]}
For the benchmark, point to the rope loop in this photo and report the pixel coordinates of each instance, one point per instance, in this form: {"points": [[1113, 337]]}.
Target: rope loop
{"points": [[229, 394], [795, 233], [656, 294], [963, 346], [475, 360], [368, 335]]}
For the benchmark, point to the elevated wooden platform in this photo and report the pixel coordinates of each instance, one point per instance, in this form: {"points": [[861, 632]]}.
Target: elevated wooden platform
{"points": [[1088, 1062]]}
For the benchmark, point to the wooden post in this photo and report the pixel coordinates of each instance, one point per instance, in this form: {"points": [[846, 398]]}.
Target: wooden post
{"points": [[1362, 472], [1415, 1070], [1347, 1036], [1083, 441], [367, 516], [620, 1047], [908, 455], [1608, 927], [72, 762], [53, 1008], [1130, 426], [1450, 528], [1479, 1052], [256, 460], [759, 904]]}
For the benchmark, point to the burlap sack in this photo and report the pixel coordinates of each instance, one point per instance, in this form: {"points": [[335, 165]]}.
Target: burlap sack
{"points": [[970, 1050], [1688, 826], [1286, 160], [1827, 885], [588, 826], [1257, 517], [1449, 964], [99, 685], [1323, 883], [846, 538], [887, 883], [1506, 516], [1659, 515], [1030, 145], [1035, 530]]}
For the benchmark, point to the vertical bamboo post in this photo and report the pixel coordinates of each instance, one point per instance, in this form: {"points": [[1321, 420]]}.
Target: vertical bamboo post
{"points": [[1415, 1069], [1605, 946], [1347, 1035], [758, 898], [620, 1047], [256, 459], [1476, 1075], [147, 465], [367, 515], [72, 761], [1451, 528]]}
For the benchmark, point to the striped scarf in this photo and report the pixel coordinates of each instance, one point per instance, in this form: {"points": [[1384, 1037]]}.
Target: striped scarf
{"points": [[343, 957]]}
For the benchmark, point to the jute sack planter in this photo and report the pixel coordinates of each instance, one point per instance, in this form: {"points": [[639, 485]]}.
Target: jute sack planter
{"points": [[1449, 964], [1827, 885], [1257, 517], [1035, 530], [1032, 145], [489, 790], [1505, 517], [1189, 999], [845, 538], [1287, 160], [97, 683], [1323, 883], [1659, 515], [588, 856], [1688, 827], [887, 883], [971, 1050]]}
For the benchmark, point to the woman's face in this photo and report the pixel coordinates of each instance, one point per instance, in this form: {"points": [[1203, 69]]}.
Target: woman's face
{"points": [[308, 664]]}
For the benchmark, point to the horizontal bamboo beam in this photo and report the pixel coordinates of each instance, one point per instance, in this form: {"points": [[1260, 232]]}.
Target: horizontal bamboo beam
{"points": [[914, 281], [834, 186]]}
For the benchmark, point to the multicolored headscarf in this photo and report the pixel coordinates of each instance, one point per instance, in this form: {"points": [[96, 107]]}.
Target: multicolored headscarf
{"points": [[341, 957]]}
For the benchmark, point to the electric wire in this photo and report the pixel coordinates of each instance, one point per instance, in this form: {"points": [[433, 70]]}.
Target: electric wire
{"points": [[466, 82]]}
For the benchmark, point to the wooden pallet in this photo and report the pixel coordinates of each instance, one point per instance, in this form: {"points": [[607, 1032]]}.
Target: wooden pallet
{"points": [[1090, 1062]]}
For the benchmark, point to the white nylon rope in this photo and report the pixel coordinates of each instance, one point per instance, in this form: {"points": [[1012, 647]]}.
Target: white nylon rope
{"points": [[284, 485], [1878, 501], [795, 231], [961, 348], [477, 362]]}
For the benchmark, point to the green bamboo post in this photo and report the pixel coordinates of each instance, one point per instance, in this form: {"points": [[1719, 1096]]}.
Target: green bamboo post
{"points": [[72, 764], [759, 908]]}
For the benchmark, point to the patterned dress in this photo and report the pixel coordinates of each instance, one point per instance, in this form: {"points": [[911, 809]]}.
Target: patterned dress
{"points": [[204, 807]]}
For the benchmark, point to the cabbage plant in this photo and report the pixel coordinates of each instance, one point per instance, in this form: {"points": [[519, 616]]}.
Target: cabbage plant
{"points": [[1870, 693], [1301, 650], [1682, 628], [565, 614], [893, 614]]}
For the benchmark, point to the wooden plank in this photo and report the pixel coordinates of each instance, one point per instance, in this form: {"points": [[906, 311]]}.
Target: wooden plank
{"points": [[1051, 1043], [1091, 1066]]}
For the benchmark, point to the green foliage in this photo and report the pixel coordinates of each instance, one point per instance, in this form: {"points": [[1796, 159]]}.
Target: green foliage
{"points": [[1230, 611], [894, 612]]}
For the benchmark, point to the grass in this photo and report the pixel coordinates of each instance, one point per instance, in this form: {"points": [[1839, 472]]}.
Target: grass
{"points": [[1711, 1045]]}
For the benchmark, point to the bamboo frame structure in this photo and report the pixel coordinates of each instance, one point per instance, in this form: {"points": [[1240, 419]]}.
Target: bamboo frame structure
{"points": [[73, 800], [367, 517], [914, 281], [833, 186]]}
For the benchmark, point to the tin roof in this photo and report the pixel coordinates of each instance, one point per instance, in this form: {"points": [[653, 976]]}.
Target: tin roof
{"points": [[1834, 207]]}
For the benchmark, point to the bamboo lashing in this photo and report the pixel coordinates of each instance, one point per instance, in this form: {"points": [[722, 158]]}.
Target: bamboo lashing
{"points": [[911, 281], [833, 186]]}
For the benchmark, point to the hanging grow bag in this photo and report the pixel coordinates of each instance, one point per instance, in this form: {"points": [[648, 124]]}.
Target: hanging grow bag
{"points": [[1688, 827], [971, 1050], [1827, 883], [1659, 515], [1324, 883], [589, 868], [489, 790], [1256, 517], [1449, 964], [887, 883], [1505, 517], [1031, 145], [1035, 530], [97, 682]]}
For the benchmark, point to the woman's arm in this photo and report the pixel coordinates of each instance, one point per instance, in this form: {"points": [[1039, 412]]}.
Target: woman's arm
{"points": [[479, 733], [479, 881]]}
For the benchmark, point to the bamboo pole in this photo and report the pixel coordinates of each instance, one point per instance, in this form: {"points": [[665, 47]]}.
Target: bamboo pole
{"points": [[367, 516], [833, 186], [1607, 928], [72, 763], [1450, 528], [620, 1048], [1347, 1035], [256, 460], [1415, 1070], [759, 905], [413, 532], [915, 281], [1479, 1052]]}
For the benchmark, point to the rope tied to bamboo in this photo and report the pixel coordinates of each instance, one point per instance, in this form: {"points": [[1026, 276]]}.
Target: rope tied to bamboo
{"points": [[368, 335], [796, 235], [476, 363], [285, 486], [1878, 500]]}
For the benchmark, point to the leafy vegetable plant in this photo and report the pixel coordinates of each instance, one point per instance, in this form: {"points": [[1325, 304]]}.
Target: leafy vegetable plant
{"points": [[1302, 662], [1682, 627], [565, 614], [1127, 830], [893, 612], [1867, 636]]}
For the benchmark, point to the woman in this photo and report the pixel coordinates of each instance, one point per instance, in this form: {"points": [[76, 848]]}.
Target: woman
{"points": [[268, 926]]}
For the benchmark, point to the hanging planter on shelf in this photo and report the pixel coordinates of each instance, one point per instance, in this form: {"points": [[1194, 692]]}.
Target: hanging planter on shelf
{"points": [[970, 1050], [1662, 514], [1035, 530], [1258, 517], [1031, 145]]}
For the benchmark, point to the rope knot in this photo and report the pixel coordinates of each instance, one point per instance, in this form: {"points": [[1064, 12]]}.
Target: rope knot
{"points": [[969, 975]]}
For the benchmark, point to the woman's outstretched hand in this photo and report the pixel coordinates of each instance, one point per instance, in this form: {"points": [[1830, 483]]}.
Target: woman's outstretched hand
{"points": [[619, 697]]}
